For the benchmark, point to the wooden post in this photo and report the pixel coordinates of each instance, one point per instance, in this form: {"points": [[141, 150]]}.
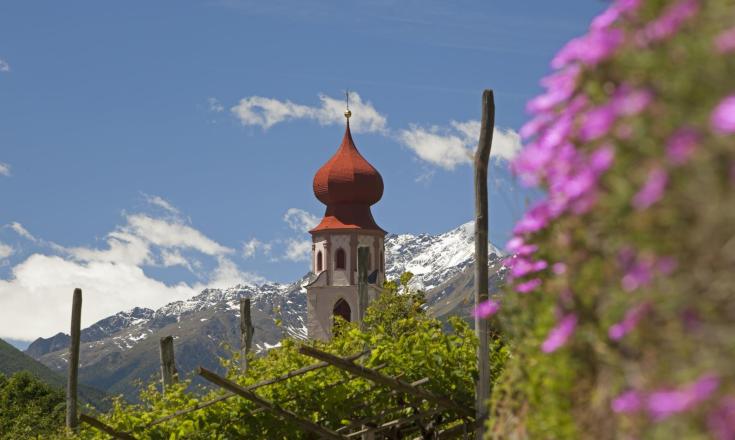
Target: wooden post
{"points": [[91, 421], [169, 375], [246, 333], [304, 424], [482, 326], [363, 254], [72, 422]]}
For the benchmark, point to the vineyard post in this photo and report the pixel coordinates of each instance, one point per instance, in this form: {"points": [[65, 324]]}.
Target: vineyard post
{"points": [[246, 333], [169, 375], [72, 421], [482, 325]]}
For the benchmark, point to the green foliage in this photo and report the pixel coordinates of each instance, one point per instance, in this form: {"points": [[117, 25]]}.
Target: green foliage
{"points": [[688, 331], [402, 339], [29, 408]]}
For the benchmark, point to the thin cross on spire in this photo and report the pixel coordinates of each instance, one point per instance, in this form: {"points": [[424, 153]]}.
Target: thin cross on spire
{"points": [[348, 113]]}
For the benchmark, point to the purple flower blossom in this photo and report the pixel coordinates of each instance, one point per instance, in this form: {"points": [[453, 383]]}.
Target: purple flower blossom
{"points": [[597, 122], [522, 267], [666, 265], [533, 126], [560, 86], [559, 268], [669, 22], [559, 335], [721, 421], [528, 286], [534, 220], [681, 145], [628, 402], [629, 322], [665, 403], [613, 13], [601, 159], [652, 190], [638, 275], [486, 309], [725, 41], [628, 101], [590, 49], [723, 117]]}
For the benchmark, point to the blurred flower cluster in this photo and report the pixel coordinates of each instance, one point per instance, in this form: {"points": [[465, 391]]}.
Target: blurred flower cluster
{"points": [[625, 271]]}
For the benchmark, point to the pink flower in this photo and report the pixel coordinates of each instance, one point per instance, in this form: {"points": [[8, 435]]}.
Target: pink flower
{"points": [[528, 286], [666, 265], [628, 101], [560, 87], [652, 190], [590, 49], [721, 421], [559, 335], [486, 309], [559, 268], [665, 403], [723, 117], [725, 41], [533, 126], [629, 322], [628, 402], [639, 274], [669, 22], [597, 122], [534, 220], [681, 145], [522, 267], [601, 159]]}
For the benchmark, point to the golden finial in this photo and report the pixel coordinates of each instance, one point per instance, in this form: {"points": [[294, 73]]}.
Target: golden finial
{"points": [[348, 113]]}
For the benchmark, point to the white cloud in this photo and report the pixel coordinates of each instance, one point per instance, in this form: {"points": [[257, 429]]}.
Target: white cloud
{"points": [[4, 66], [4, 169], [169, 234], [23, 232], [300, 220], [448, 147], [5, 251], [267, 112], [227, 275], [298, 250], [215, 106], [35, 299], [161, 203], [249, 248]]}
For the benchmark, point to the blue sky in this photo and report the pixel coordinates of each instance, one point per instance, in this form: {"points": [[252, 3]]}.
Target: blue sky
{"points": [[136, 162]]}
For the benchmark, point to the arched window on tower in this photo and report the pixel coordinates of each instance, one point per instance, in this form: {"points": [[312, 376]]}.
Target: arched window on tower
{"points": [[319, 262], [342, 309], [339, 259]]}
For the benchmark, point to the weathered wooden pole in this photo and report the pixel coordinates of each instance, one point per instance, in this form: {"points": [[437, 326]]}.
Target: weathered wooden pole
{"points": [[72, 421], [363, 254], [169, 375], [482, 326], [246, 333]]}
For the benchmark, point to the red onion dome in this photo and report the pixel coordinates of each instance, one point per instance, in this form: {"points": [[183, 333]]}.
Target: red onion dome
{"points": [[347, 178]]}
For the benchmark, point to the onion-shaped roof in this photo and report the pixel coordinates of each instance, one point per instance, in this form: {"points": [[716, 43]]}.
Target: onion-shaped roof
{"points": [[347, 178]]}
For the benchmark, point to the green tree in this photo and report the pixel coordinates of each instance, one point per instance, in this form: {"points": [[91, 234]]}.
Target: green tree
{"points": [[29, 408], [402, 339]]}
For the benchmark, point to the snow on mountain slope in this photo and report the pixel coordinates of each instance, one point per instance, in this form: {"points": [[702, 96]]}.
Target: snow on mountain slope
{"points": [[432, 259]]}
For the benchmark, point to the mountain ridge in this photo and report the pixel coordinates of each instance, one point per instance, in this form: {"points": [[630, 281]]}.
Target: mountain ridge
{"points": [[123, 347]]}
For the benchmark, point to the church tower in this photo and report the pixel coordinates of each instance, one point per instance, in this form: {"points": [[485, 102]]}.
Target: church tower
{"points": [[348, 185]]}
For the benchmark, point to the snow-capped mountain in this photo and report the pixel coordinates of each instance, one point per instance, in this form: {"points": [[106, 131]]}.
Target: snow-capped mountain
{"points": [[432, 259], [124, 347]]}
